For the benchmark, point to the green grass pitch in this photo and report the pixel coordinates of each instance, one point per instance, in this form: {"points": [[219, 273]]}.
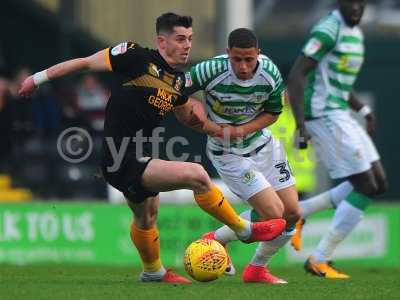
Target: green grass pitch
{"points": [[77, 282]]}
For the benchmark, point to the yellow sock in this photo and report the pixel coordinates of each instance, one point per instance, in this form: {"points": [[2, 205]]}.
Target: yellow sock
{"points": [[219, 207], [147, 243]]}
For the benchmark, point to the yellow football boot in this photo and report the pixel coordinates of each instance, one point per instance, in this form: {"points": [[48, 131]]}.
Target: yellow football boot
{"points": [[296, 238], [325, 269]]}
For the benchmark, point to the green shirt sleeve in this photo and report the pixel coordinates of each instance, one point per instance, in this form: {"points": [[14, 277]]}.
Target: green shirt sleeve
{"points": [[192, 84], [274, 104], [318, 45]]}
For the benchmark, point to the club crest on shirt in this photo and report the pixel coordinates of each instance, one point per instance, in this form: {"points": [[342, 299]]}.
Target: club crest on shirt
{"points": [[178, 83]]}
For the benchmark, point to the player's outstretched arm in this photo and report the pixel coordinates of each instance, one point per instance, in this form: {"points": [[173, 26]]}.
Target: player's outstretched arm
{"points": [[95, 62], [193, 115], [296, 84]]}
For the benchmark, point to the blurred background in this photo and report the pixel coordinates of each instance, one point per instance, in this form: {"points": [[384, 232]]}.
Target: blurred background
{"points": [[35, 34]]}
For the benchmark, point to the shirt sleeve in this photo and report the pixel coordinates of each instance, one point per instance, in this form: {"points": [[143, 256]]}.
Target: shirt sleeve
{"points": [[192, 84], [274, 104], [318, 45], [126, 58], [322, 38], [182, 100], [180, 83]]}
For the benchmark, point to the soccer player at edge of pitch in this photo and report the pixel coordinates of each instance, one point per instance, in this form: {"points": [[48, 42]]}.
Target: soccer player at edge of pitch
{"points": [[321, 93]]}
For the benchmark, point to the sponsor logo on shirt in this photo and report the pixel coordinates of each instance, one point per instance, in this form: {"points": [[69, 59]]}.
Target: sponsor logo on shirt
{"points": [[163, 100], [350, 63], [235, 110], [154, 70]]}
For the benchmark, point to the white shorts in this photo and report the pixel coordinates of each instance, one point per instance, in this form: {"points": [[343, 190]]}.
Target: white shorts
{"points": [[246, 176], [342, 144]]}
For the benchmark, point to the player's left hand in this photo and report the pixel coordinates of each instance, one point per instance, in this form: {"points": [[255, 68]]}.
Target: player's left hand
{"points": [[301, 137], [27, 87], [370, 123], [197, 118], [230, 132]]}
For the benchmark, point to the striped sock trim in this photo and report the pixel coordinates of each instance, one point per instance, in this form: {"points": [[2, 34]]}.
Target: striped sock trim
{"points": [[254, 217], [358, 200]]}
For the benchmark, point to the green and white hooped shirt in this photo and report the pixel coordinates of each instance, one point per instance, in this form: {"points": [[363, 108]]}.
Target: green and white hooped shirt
{"points": [[339, 50], [234, 101]]}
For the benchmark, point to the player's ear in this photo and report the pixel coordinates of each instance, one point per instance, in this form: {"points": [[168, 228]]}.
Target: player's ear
{"points": [[160, 41], [227, 51]]}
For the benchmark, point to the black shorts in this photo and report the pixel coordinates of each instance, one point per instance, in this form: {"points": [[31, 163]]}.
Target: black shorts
{"points": [[128, 177]]}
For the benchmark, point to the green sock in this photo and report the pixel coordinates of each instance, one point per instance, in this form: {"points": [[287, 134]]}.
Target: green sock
{"points": [[358, 200]]}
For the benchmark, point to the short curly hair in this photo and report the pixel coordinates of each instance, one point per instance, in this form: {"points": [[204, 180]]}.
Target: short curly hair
{"points": [[242, 38]]}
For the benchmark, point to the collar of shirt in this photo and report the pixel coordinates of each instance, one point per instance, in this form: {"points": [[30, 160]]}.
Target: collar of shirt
{"points": [[158, 57], [248, 82]]}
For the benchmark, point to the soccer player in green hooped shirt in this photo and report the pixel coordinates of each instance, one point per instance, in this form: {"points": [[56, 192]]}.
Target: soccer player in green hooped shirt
{"points": [[321, 93], [244, 93]]}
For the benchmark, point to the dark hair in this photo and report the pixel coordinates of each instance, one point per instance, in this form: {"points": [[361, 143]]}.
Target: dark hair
{"points": [[166, 22], [242, 38]]}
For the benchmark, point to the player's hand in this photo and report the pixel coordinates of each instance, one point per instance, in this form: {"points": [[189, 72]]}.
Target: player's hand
{"points": [[230, 132], [301, 137], [27, 87], [197, 119], [370, 123]]}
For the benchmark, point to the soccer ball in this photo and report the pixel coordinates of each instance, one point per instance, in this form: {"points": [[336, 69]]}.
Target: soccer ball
{"points": [[205, 260]]}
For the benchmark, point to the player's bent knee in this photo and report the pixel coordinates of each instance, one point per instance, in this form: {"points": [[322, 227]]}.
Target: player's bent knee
{"points": [[368, 188], [273, 211], [279, 209], [198, 178], [382, 187]]}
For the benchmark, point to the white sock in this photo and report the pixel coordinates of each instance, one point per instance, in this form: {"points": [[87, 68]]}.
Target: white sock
{"points": [[266, 250], [245, 233], [152, 276], [344, 221], [225, 235], [346, 217], [328, 199], [315, 204], [340, 192]]}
